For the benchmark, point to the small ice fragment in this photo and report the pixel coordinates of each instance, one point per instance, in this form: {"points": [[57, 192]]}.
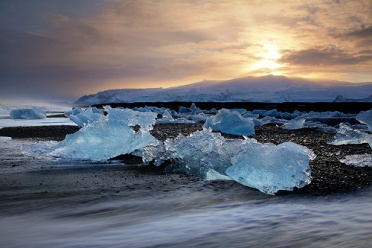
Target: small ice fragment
{"points": [[289, 116], [167, 117], [346, 135], [230, 122], [250, 115], [167, 114], [294, 124], [260, 112], [5, 139], [200, 118], [366, 118], [358, 160], [30, 114], [211, 111], [270, 168], [273, 113], [240, 111], [214, 175]]}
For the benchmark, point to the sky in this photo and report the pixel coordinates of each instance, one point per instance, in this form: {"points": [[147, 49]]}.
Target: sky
{"points": [[64, 49]]}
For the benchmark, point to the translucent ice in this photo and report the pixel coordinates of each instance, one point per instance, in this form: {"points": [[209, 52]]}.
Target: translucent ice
{"points": [[4, 139], [272, 112], [346, 135], [196, 154], [291, 116], [193, 110], [366, 118], [358, 160], [266, 167], [294, 124], [108, 137], [241, 111], [230, 122], [131, 118], [82, 118], [28, 113], [167, 117], [250, 115], [199, 118], [270, 168]]}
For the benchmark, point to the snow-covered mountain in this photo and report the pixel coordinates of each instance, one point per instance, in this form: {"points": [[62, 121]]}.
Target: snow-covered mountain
{"points": [[248, 89], [343, 99]]}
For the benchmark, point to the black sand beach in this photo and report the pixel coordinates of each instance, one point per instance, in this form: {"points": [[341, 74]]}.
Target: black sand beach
{"points": [[329, 176]]}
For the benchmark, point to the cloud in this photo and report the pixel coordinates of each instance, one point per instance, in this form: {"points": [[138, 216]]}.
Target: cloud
{"points": [[167, 42], [325, 57]]}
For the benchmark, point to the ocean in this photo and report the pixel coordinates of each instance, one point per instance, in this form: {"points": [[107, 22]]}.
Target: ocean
{"points": [[61, 203]]}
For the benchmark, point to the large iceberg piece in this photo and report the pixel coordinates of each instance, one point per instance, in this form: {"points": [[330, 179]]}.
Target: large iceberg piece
{"points": [[366, 118], [346, 135], [82, 118], [108, 137], [266, 167], [358, 160], [270, 168], [230, 122], [28, 113], [201, 152]]}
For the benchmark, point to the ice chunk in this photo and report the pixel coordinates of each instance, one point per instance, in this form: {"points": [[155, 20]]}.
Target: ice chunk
{"points": [[250, 115], [214, 175], [294, 124], [200, 152], [366, 118], [200, 118], [131, 118], [358, 160], [108, 137], [273, 113], [167, 117], [82, 118], [5, 139], [240, 111], [290, 116], [270, 119], [230, 122], [167, 114], [260, 112], [211, 111], [346, 135], [270, 168], [28, 113], [193, 110], [266, 167]]}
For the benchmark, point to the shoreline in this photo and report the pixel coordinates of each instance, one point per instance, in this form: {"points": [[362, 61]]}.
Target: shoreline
{"points": [[329, 176]]}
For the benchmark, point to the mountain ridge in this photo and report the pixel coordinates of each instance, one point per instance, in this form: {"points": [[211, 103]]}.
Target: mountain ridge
{"points": [[269, 88]]}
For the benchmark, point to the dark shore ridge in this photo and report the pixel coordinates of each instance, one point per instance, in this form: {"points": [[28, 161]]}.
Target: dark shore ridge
{"points": [[328, 174]]}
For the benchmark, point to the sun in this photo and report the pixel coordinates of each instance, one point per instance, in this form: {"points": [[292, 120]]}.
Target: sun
{"points": [[268, 57]]}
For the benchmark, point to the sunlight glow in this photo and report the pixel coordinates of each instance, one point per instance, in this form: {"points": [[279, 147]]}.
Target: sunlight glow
{"points": [[269, 57]]}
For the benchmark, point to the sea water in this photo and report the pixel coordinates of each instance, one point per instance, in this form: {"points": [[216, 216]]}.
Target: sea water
{"points": [[61, 203]]}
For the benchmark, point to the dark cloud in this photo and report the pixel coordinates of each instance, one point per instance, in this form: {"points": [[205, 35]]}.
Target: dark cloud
{"points": [[325, 57]]}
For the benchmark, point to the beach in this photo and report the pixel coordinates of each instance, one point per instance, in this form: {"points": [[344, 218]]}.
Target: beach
{"points": [[124, 203]]}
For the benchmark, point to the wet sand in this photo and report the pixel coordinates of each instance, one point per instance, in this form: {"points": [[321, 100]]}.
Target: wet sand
{"points": [[329, 176]]}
